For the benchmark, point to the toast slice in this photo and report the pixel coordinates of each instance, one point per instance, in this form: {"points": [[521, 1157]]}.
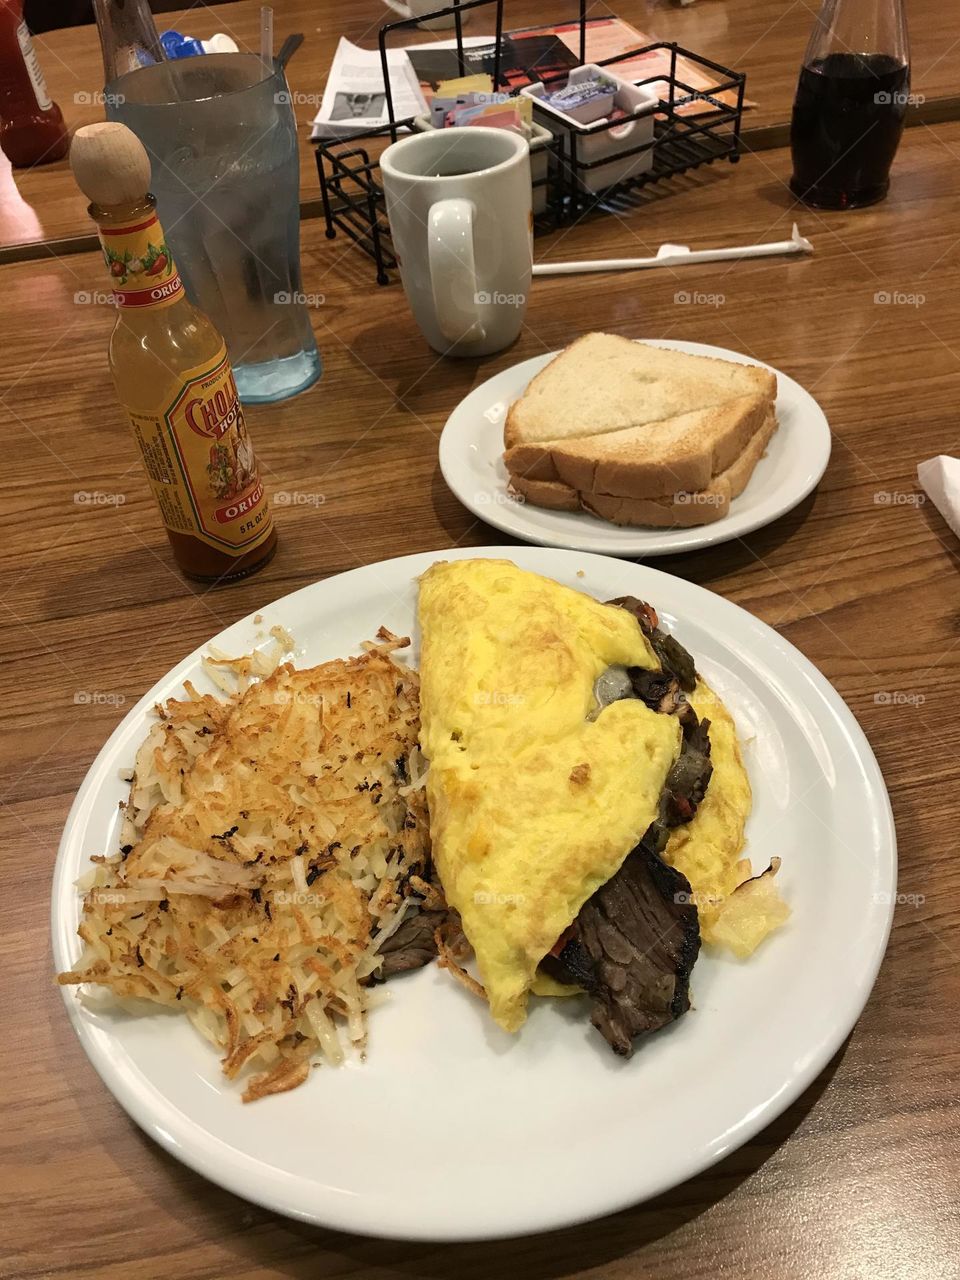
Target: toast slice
{"points": [[676, 510], [604, 383], [677, 454]]}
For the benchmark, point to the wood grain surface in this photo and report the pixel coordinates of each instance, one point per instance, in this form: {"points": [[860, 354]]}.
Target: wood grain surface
{"points": [[857, 1179], [764, 38]]}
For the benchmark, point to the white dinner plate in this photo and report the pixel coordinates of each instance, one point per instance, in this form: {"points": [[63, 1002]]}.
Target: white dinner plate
{"points": [[471, 460], [452, 1129]]}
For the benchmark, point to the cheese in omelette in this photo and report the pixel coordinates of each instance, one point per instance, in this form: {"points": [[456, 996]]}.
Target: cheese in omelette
{"points": [[533, 805], [736, 910], [707, 849]]}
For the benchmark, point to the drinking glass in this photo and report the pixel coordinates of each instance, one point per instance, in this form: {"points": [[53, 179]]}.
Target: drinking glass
{"points": [[222, 140]]}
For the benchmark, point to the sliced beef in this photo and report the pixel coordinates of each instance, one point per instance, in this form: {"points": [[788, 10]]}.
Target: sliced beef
{"points": [[413, 944], [659, 690], [633, 946], [672, 655], [641, 933], [690, 775], [572, 965], [644, 613], [686, 783]]}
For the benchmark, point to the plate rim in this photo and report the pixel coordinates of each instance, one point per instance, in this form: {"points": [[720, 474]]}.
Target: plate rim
{"points": [[234, 1177], [641, 542]]}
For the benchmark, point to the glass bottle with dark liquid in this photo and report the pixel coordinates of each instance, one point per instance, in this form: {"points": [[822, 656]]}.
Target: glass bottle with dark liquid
{"points": [[850, 105]]}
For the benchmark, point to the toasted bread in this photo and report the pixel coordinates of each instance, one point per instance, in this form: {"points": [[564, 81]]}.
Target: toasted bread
{"points": [[681, 509], [604, 383], [680, 453]]}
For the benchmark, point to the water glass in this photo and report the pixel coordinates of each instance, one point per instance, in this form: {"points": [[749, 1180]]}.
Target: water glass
{"points": [[222, 140]]}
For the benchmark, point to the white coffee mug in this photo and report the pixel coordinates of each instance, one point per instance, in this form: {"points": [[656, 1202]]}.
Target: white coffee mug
{"points": [[416, 7], [459, 205]]}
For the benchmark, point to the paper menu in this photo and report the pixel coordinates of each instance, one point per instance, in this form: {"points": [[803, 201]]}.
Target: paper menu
{"points": [[355, 99]]}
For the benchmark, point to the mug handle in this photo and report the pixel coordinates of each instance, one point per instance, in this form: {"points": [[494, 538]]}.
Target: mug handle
{"points": [[453, 270]]}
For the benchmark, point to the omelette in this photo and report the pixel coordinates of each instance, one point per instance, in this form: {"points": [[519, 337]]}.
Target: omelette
{"points": [[737, 910], [586, 795]]}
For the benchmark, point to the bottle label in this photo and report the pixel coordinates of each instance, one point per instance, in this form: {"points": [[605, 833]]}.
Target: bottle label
{"points": [[34, 71], [141, 269], [200, 462]]}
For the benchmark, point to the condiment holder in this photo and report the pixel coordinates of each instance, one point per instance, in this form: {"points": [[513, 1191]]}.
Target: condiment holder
{"points": [[585, 125]]}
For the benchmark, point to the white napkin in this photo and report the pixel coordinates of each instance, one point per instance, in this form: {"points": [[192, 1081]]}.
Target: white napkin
{"points": [[941, 479]]}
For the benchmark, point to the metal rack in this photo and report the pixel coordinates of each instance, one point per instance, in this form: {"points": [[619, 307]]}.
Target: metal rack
{"points": [[680, 143], [353, 201]]}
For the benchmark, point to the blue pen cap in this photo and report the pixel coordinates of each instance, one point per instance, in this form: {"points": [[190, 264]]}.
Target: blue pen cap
{"points": [[177, 46]]}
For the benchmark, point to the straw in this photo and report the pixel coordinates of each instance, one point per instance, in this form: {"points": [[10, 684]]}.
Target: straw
{"points": [[266, 38], [673, 255]]}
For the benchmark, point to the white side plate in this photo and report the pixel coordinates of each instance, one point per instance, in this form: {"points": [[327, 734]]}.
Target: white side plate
{"points": [[471, 460]]}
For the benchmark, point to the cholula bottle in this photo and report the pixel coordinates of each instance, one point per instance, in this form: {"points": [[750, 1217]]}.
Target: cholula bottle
{"points": [[850, 105], [172, 374]]}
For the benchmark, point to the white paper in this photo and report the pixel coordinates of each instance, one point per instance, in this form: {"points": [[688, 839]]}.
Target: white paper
{"points": [[940, 477], [469, 42], [354, 98]]}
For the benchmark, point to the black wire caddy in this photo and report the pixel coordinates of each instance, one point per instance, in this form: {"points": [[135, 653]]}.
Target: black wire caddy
{"points": [[682, 139]]}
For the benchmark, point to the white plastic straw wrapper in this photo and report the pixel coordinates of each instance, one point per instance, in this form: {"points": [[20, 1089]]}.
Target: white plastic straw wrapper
{"points": [[677, 255]]}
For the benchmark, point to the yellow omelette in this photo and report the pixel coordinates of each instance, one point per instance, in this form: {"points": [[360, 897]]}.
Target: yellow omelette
{"points": [[532, 804]]}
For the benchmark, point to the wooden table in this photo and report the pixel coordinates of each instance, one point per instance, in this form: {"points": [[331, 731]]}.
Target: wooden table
{"points": [[858, 1178], [764, 38]]}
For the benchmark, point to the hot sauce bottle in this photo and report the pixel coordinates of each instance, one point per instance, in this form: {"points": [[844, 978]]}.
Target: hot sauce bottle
{"points": [[31, 126], [172, 374]]}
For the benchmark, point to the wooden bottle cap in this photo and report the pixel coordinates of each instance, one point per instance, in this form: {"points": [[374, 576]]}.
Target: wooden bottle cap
{"points": [[110, 164]]}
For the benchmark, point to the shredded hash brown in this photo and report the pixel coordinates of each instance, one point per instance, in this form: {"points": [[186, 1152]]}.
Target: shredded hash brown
{"points": [[269, 845]]}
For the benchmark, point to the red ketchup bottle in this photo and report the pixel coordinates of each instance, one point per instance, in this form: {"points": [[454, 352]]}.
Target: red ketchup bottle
{"points": [[31, 126]]}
